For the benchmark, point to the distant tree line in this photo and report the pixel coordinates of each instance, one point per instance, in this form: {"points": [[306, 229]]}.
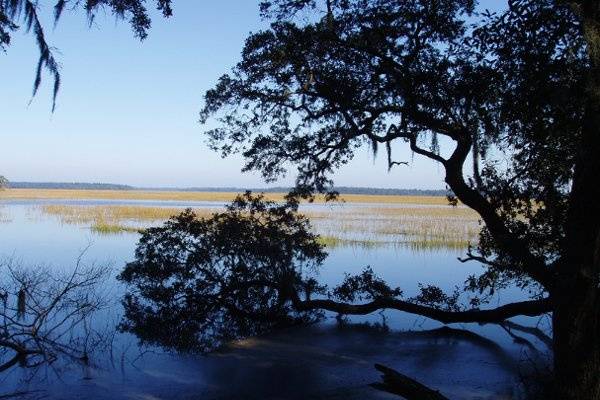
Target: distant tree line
{"points": [[278, 189], [338, 189], [68, 185]]}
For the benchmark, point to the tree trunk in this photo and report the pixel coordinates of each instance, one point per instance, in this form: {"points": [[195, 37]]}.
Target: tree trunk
{"points": [[576, 325], [576, 293]]}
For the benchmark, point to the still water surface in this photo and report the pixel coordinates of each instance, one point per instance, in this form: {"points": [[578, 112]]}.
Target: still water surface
{"points": [[326, 360]]}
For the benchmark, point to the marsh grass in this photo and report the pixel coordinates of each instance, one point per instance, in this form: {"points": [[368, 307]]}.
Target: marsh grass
{"points": [[4, 217], [417, 245], [113, 219], [112, 213], [334, 242], [66, 194], [102, 228], [418, 227]]}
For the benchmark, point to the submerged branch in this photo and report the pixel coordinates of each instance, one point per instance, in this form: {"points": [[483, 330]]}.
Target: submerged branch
{"points": [[397, 383], [537, 332]]}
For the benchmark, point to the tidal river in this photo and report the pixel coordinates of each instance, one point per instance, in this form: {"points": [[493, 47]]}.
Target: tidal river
{"points": [[328, 360]]}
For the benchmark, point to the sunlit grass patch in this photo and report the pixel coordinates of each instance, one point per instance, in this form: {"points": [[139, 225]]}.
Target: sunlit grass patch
{"points": [[113, 219], [333, 242], [112, 229], [415, 244], [422, 244]]}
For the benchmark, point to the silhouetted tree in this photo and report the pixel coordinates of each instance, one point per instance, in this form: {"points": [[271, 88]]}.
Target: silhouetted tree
{"points": [[515, 94], [3, 182], [24, 15], [220, 278]]}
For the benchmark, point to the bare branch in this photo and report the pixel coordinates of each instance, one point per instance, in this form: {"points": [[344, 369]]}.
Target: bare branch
{"points": [[51, 316]]}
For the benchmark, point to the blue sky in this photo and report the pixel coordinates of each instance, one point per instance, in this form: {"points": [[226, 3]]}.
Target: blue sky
{"points": [[128, 111]]}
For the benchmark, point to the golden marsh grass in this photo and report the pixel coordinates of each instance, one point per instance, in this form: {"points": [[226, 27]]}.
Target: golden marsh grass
{"points": [[103, 228], [115, 213], [57, 194], [418, 227]]}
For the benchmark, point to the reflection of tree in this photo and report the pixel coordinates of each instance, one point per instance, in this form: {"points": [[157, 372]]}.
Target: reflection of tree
{"points": [[199, 282], [44, 314]]}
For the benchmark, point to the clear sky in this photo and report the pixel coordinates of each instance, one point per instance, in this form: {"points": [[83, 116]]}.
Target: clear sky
{"points": [[128, 111]]}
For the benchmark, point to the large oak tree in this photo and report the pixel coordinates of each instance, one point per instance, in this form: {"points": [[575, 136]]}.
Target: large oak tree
{"points": [[513, 97]]}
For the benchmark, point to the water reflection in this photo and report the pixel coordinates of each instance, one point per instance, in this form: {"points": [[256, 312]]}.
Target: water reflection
{"points": [[325, 360]]}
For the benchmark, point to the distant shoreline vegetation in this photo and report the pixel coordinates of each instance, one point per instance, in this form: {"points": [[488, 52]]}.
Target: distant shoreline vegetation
{"points": [[281, 189], [68, 185]]}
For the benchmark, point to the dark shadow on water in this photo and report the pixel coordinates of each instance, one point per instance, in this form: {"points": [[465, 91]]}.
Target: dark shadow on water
{"points": [[328, 360]]}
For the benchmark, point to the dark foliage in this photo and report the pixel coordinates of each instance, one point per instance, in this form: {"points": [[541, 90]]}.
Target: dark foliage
{"points": [[379, 72], [220, 278], [366, 286]]}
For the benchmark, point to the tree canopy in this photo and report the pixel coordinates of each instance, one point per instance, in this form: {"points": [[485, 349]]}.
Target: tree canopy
{"points": [[375, 73], [221, 278]]}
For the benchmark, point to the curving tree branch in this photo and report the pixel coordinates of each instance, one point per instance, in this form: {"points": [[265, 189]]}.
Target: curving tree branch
{"points": [[529, 308], [44, 315]]}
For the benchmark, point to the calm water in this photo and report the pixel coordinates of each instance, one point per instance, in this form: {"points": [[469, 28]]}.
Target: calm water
{"points": [[327, 360]]}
